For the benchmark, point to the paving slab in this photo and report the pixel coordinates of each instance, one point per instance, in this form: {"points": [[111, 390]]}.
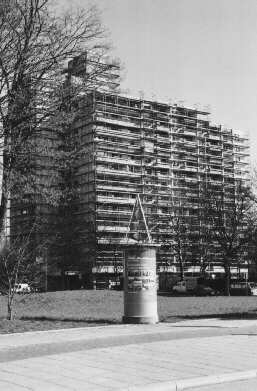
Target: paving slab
{"points": [[153, 364], [218, 322], [240, 385], [8, 341], [161, 357]]}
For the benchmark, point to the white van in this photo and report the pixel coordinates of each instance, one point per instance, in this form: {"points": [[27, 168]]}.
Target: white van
{"points": [[22, 288]]}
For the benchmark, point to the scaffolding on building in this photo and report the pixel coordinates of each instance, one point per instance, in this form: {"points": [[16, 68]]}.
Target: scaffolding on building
{"points": [[167, 154]]}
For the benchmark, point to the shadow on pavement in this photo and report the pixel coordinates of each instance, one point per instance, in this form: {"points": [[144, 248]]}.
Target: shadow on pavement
{"points": [[168, 318], [227, 316], [77, 320]]}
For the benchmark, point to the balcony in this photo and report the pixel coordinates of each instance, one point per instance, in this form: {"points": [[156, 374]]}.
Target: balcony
{"points": [[120, 122], [112, 228], [104, 170], [115, 200], [125, 162]]}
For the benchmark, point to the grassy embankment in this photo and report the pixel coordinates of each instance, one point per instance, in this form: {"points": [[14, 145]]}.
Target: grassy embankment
{"points": [[42, 311]]}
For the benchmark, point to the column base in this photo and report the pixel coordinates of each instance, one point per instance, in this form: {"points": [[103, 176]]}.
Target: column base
{"points": [[140, 319]]}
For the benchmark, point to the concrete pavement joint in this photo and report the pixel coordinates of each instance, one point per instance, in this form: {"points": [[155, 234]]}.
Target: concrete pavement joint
{"points": [[215, 379], [180, 385]]}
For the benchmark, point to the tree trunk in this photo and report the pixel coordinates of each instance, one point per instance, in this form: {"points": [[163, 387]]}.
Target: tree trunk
{"points": [[227, 280], [203, 269], [6, 164], [181, 267], [3, 210], [63, 279], [9, 310]]}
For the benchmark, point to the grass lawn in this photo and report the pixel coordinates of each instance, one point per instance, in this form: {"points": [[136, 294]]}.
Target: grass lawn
{"points": [[51, 310]]}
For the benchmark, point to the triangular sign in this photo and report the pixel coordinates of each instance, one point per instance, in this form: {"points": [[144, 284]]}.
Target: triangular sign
{"points": [[138, 230]]}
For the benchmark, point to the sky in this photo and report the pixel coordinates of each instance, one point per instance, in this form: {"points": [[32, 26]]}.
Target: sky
{"points": [[199, 52]]}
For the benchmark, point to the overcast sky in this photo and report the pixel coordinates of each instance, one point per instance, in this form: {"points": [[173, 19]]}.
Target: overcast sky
{"points": [[197, 51]]}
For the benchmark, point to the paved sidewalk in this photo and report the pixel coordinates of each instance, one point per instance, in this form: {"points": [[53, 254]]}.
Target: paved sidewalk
{"points": [[242, 385], [130, 357]]}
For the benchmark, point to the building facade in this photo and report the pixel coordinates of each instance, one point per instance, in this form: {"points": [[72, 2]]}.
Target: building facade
{"points": [[169, 155]]}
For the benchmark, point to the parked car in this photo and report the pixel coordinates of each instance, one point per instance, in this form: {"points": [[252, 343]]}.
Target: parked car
{"points": [[185, 286], [22, 288], [102, 284], [180, 287], [253, 288], [240, 288], [114, 285], [202, 290]]}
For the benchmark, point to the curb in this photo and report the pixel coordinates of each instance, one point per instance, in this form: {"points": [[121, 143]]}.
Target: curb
{"points": [[47, 348], [179, 385]]}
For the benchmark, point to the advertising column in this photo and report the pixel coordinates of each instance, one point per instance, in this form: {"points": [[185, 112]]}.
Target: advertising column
{"points": [[140, 290]]}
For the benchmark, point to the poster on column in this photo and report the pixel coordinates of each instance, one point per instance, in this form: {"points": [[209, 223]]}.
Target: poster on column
{"points": [[141, 275]]}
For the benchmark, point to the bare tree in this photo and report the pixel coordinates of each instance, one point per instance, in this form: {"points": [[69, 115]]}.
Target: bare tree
{"points": [[48, 62], [204, 237], [17, 266], [179, 227], [233, 224], [35, 47]]}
